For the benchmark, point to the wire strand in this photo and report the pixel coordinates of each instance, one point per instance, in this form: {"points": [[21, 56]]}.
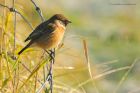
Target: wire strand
{"points": [[15, 10]]}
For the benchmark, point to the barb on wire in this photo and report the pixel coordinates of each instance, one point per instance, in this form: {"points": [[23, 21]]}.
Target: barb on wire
{"points": [[38, 10], [15, 10]]}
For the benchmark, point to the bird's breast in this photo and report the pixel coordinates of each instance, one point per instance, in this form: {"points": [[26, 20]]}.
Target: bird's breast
{"points": [[52, 40]]}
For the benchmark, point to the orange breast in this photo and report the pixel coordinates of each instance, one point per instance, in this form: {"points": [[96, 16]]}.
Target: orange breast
{"points": [[52, 40]]}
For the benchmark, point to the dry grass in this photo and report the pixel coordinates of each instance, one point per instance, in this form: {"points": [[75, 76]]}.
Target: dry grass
{"points": [[26, 74]]}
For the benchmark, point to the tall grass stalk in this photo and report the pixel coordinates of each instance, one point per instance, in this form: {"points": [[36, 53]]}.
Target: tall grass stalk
{"points": [[125, 76], [89, 65]]}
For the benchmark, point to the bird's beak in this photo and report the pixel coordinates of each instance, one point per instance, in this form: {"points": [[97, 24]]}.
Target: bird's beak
{"points": [[69, 21]]}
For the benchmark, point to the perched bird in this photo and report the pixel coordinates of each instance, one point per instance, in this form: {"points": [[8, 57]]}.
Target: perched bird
{"points": [[48, 34]]}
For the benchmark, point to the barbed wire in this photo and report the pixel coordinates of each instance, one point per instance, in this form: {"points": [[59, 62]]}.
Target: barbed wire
{"points": [[15, 10], [49, 77], [51, 53], [38, 10]]}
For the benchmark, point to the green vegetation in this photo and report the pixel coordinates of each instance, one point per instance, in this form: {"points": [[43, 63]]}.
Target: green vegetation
{"points": [[100, 52]]}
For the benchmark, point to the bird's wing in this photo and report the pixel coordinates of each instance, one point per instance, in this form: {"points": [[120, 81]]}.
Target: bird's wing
{"points": [[44, 27]]}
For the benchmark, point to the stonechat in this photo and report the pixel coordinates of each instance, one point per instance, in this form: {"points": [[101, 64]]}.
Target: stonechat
{"points": [[48, 34]]}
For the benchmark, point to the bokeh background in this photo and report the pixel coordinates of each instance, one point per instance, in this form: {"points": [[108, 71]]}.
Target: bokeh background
{"points": [[109, 29]]}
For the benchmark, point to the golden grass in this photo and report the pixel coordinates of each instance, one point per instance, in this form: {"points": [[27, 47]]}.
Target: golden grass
{"points": [[26, 74]]}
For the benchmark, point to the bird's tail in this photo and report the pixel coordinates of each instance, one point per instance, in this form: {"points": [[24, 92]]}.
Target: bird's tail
{"points": [[24, 48]]}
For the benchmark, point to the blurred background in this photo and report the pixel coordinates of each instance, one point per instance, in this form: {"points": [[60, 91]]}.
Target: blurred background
{"points": [[109, 29]]}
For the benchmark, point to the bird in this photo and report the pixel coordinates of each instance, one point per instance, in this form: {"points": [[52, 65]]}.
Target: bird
{"points": [[48, 34]]}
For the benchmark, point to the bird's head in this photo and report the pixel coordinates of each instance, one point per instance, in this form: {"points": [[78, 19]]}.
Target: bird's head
{"points": [[61, 18]]}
